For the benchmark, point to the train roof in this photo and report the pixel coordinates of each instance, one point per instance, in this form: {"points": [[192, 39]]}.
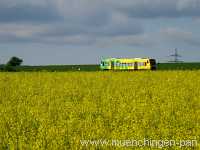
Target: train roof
{"points": [[108, 59]]}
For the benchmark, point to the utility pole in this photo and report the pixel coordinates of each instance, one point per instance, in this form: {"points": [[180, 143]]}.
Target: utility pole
{"points": [[176, 56]]}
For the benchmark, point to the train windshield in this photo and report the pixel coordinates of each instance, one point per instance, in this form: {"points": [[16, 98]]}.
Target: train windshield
{"points": [[152, 61], [104, 63]]}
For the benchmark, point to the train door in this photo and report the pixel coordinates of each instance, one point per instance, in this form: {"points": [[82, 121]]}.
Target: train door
{"points": [[112, 65], [135, 65]]}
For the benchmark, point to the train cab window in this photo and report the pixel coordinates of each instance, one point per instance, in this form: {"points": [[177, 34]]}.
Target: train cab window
{"points": [[105, 64], [145, 63], [152, 61]]}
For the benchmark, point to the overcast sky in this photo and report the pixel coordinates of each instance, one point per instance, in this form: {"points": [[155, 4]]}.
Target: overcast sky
{"points": [[83, 31]]}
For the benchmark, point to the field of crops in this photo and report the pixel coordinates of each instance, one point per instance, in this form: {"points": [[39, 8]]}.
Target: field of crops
{"points": [[99, 110]]}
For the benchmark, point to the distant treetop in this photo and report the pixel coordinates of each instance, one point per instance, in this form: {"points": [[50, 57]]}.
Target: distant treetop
{"points": [[14, 61]]}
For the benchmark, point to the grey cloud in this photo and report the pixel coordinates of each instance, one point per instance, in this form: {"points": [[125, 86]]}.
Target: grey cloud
{"points": [[159, 8], [141, 40], [86, 21], [109, 29], [59, 33], [179, 37], [23, 12], [94, 12]]}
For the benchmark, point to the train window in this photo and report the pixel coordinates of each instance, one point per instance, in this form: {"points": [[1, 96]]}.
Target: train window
{"points": [[145, 63], [140, 64]]}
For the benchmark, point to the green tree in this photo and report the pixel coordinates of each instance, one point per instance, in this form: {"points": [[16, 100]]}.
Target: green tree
{"points": [[13, 63]]}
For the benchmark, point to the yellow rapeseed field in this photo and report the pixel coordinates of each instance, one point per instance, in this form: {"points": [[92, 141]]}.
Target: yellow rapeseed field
{"points": [[100, 110]]}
